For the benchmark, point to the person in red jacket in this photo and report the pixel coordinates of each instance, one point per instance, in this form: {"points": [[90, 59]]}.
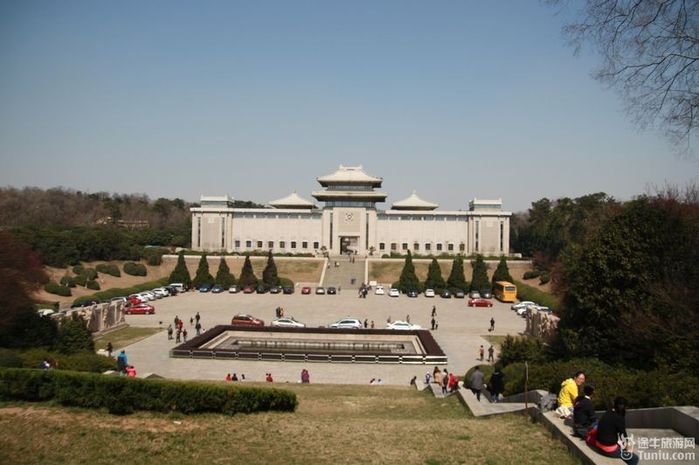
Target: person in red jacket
{"points": [[268, 378], [130, 371]]}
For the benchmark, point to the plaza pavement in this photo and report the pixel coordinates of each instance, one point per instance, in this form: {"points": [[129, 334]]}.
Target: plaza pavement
{"points": [[459, 333]]}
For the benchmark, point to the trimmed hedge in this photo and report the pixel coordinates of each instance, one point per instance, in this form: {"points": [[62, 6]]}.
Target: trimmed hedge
{"points": [[526, 292], [531, 274], [122, 291], [78, 269], [79, 361], [80, 280], [135, 269], [122, 395], [544, 278], [109, 268], [67, 281], [94, 285], [55, 288]]}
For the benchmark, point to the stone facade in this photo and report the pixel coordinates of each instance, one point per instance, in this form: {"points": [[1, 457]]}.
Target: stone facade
{"points": [[350, 222]]}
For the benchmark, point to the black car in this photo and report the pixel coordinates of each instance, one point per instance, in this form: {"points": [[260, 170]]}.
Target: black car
{"points": [[261, 290], [331, 291], [446, 294], [459, 294], [275, 290], [412, 293], [205, 288], [217, 289], [486, 294], [288, 290]]}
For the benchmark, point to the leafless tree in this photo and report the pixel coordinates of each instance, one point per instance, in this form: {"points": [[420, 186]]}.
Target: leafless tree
{"points": [[650, 55]]}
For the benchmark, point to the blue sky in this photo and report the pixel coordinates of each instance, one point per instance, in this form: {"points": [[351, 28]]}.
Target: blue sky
{"points": [[455, 99]]}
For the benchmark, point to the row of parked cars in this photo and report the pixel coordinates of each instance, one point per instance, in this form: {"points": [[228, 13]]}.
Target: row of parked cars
{"points": [[523, 307], [290, 322], [137, 304]]}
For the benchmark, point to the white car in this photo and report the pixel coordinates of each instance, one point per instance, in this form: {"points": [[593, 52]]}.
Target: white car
{"points": [[145, 296], [429, 292], [402, 325], [179, 287], [379, 290], [523, 304], [287, 323], [45, 312], [160, 292], [393, 292], [347, 323]]}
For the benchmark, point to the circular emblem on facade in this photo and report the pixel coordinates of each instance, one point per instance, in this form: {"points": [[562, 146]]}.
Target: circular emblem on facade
{"points": [[349, 216]]}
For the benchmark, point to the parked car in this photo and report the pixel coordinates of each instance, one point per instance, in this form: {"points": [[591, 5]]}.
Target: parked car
{"points": [[429, 292], [248, 290], [151, 295], [261, 290], [234, 289], [379, 290], [412, 293], [522, 305], [320, 290], [446, 294], [288, 290], [246, 320], [275, 290], [474, 295], [459, 294], [134, 300], [393, 292], [205, 288], [160, 292], [347, 323], [172, 290], [331, 291], [305, 290], [402, 325], [178, 286], [140, 309], [287, 323], [480, 303], [119, 299], [45, 312], [217, 289], [486, 294]]}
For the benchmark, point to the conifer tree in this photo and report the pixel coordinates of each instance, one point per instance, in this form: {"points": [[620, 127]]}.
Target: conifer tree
{"points": [[502, 273], [74, 336], [434, 277], [181, 274], [457, 278], [203, 276], [408, 279], [247, 275], [479, 280], [269, 275], [223, 275]]}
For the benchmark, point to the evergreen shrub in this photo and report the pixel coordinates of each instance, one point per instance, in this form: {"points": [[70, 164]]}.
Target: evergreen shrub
{"points": [[135, 269], [55, 288]]}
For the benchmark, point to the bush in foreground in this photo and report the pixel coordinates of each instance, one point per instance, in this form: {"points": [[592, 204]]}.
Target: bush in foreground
{"points": [[121, 395], [78, 361]]}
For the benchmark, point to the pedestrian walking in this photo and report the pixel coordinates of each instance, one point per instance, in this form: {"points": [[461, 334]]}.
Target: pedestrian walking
{"points": [[110, 348], [481, 351], [496, 386], [198, 328], [366, 323], [407, 318], [434, 311], [197, 317], [184, 335], [191, 321], [490, 354], [433, 323], [492, 324], [477, 383], [372, 324], [122, 362], [169, 333], [179, 335]]}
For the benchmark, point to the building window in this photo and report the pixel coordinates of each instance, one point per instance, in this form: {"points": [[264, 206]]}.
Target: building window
{"points": [[394, 246], [382, 246], [450, 247], [304, 245], [248, 244], [237, 244], [270, 244], [416, 246], [259, 244], [462, 247], [428, 246], [282, 244], [502, 236], [199, 231], [439, 247], [404, 246], [316, 245], [293, 244]]}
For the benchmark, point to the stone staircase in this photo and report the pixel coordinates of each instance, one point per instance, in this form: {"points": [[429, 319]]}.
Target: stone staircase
{"points": [[342, 275]]}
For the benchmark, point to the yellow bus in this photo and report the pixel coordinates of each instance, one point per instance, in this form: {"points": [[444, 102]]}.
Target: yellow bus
{"points": [[505, 291]]}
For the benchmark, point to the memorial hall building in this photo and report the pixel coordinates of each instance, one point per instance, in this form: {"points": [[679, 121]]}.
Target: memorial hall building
{"points": [[350, 221]]}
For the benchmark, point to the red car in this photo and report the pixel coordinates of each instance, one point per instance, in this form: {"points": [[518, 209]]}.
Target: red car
{"points": [[140, 309], [479, 303], [246, 320], [248, 290], [133, 300], [306, 290]]}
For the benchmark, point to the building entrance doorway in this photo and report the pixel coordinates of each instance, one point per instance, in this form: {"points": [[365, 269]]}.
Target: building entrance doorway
{"points": [[348, 244]]}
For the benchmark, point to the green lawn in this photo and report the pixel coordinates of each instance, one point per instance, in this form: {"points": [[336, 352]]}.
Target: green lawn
{"points": [[333, 425], [124, 337]]}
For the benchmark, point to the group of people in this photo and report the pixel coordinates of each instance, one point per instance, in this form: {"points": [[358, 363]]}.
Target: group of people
{"points": [[448, 381], [491, 353], [230, 378], [496, 384], [123, 366], [305, 377], [607, 435], [180, 331]]}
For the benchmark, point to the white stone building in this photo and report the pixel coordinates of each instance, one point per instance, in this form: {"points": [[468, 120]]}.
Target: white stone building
{"points": [[350, 221]]}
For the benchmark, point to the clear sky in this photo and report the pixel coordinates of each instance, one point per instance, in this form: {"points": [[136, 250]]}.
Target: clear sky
{"points": [[455, 99]]}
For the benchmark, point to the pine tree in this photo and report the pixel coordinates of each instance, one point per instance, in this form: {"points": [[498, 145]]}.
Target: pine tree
{"points": [[434, 277], [223, 275], [457, 278], [479, 280], [247, 275], [181, 274], [203, 276], [74, 336], [269, 275], [408, 279], [502, 273]]}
